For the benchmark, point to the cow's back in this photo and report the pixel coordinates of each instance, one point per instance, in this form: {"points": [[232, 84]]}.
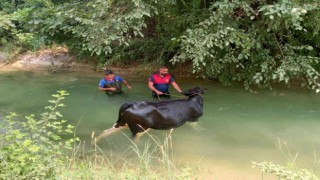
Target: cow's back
{"points": [[160, 115]]}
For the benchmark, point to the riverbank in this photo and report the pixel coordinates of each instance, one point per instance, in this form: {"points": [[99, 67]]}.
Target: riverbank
{"points": [[58, 59], [50, 59]]}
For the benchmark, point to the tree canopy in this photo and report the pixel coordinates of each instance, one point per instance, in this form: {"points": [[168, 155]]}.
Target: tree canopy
{"points": [[257, 42]]}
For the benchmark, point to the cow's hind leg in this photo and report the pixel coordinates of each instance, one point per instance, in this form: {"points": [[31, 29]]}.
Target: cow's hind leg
{"points": [[121, 116]]}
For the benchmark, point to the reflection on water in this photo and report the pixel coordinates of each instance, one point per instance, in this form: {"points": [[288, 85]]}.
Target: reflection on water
{"points": [[237, 126]]}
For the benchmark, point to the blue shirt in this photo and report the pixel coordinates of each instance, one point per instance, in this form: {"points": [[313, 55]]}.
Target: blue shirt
{"points": [[104, 81]]}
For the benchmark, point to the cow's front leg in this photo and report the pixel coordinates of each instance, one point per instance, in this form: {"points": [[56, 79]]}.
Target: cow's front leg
{"points": [[138, 135], [117, 125], [106, 133], [135, 129]]}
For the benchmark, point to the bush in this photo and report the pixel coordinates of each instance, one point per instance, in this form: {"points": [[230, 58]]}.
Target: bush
{"points": [[290, 171], [32, 147], [285, 172], [153, 159]]}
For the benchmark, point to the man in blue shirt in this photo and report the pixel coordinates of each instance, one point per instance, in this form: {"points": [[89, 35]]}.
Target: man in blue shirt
{"points": [[111, 83]]}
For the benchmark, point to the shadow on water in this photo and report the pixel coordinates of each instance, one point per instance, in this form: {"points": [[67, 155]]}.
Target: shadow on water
{"points": [[237, 126]]}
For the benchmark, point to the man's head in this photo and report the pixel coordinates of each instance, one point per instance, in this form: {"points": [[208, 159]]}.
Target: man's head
{"points": [[163, 70], [109, 74]]}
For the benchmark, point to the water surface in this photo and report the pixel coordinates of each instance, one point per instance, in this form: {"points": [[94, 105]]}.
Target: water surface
{"points": [[237, 126]]}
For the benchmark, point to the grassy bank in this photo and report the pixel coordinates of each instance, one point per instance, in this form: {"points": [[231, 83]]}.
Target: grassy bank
{"points": [[152, 161]]}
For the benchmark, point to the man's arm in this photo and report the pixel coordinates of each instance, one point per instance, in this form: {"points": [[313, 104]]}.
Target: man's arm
{"points": [[102, 88], [108, 89], [127, 84], [150, 84], [176, 86]]}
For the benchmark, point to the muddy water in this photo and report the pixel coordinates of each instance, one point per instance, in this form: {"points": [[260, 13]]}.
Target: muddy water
{"points": [[237, 126]]}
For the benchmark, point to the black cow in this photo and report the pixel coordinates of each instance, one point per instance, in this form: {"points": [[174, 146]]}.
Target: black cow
{"points": [[142, 115]]}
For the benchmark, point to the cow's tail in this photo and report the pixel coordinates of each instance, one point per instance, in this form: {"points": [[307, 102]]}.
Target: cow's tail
{"points": [[121, 121]]}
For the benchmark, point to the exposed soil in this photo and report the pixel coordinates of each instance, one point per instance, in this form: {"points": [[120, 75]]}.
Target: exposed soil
{"points": [[58, 59]]}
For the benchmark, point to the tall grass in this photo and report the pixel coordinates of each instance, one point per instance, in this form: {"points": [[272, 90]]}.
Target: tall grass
{"points": [[154, 160]]}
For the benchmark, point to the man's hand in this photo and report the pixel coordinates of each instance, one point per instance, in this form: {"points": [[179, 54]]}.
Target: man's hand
{"points": [[112, 89], [159, 92], [185, 93], [129, 87]]}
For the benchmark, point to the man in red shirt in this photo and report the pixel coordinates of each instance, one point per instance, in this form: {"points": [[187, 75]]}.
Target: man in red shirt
{"points": [[159, 83]]}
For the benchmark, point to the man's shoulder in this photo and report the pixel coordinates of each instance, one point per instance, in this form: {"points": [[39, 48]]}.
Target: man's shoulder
{"points": [[153, 75], [117, 77], [102, 80], [169, 76]]}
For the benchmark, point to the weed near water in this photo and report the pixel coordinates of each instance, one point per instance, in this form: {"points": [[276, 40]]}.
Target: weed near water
{"points": [[154, 160], [291, 169]]}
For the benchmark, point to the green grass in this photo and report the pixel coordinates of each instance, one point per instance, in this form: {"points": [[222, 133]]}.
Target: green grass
{"points": [[291, 169], [154, 160]]}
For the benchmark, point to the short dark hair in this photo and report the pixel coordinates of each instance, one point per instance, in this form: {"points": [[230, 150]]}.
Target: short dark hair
{"points": [[163, 67], [107, 72]]}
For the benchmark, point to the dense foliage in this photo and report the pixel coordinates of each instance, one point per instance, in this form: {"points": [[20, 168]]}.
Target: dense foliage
{"points": [[257, 42]]}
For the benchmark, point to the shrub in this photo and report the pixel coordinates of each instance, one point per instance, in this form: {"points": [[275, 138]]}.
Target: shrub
{"points": [[152, 159], [285, 172], [290, 171], [32, 147]]}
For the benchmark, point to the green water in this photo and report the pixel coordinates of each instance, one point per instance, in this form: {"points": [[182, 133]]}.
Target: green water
{"points": [[237, 126]]}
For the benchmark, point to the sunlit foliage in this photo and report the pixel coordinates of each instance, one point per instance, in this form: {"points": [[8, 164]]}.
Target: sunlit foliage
{"points": [[257, 42]]}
